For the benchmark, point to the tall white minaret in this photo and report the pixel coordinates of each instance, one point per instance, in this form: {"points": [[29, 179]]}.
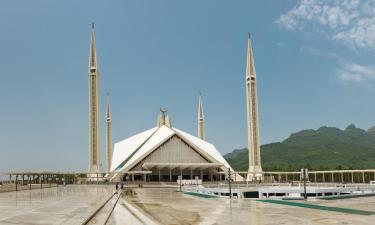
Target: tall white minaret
{"points": [[255, 167], [108, 136], [94, 143], [201, 130]]}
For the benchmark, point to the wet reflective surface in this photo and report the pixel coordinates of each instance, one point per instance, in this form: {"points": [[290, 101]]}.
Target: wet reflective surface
{"points": [[166, 206], [59, 205], [73, 204]]}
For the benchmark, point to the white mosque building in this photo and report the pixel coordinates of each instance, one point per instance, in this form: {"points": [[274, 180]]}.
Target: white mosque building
{"points": [[164, 152]]}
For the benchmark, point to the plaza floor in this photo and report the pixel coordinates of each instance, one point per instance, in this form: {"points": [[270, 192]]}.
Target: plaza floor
{"points": [[59, 205], [166, 206], [73, 204]]}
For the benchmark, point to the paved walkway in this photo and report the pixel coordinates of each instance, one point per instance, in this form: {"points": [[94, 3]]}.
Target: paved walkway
{"points": [[73, 204], [60, 205], [12, 187], [166, 206]]}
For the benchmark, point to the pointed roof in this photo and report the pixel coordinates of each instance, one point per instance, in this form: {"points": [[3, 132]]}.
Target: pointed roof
{"points": [[161, 135], [250, 65], [207, 149], [93, 62], [131, 151], [124, 149]]}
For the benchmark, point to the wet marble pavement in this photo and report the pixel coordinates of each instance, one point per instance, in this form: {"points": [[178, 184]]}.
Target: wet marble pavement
{"points": [[59, 205], [73, 204], [166, 206]]}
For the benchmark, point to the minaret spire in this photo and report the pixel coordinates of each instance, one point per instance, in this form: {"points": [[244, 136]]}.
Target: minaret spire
{"points": [[255, 168], [93, 78], [93, 63], [108, 139], [250, 66], [201, 128]]}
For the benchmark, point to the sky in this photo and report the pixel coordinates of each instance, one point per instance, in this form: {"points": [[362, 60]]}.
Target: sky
{"points": [[314, 61]]}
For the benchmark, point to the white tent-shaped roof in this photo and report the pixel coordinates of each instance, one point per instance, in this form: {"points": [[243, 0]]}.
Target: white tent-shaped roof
{"points": [[129, 152]]}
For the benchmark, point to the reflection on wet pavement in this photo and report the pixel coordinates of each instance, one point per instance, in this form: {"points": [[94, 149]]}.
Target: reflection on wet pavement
{"points": [[166, 206], [72, 205], [60, 205]]}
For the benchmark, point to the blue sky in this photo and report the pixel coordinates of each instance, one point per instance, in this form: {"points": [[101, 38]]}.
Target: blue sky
{"points": [[314, 61]]}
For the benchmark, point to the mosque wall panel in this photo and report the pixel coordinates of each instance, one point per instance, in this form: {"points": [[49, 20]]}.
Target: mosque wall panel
{"points": [[175, 150]]}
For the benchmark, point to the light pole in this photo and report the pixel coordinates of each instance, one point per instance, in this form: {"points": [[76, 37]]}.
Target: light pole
{"points": [[304, 176], [230, 185], [16, 183], [180, 179]]}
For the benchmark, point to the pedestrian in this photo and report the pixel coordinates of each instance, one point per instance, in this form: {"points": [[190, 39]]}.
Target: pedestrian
{"points": [[116, 186], [122, 185]]}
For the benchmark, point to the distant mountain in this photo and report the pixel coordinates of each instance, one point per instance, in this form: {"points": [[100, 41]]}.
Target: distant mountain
{"points": [[324, 148]]}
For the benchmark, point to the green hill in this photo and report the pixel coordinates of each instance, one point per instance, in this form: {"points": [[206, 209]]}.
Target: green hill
{"points": [[324, 148]]}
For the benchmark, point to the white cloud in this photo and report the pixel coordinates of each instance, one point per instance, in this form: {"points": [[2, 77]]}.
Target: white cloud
{"points": [[356, 73], [351, 22], [362, 35], [347, 71]]}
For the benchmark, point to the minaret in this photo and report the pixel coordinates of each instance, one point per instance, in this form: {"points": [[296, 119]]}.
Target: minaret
{"points": [[201, 131], [93, 72], [255, 168], [108, 139]]}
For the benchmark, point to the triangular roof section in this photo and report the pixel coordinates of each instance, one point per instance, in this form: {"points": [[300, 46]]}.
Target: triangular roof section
{"points": [[131, 151], [162, 134], [136, 148], [125, 148], [205, 148]]}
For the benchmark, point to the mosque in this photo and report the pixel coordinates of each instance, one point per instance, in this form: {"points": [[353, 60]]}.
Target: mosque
{"points": [[163, 153]]}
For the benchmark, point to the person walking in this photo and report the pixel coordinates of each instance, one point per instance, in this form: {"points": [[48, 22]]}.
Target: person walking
{"points": [[116, 186]]}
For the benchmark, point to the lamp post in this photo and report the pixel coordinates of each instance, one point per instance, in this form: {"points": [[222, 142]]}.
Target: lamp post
{"points": [[230, 185], [180, 179], [16, 183], [304, 177]]}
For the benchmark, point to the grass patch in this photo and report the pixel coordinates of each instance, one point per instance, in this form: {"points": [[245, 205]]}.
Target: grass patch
{"points": [[199, 194], [347, 196], [320, 207]]}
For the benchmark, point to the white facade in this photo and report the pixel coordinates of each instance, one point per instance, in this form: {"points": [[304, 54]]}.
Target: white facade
{"points": [[167, 151]]}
